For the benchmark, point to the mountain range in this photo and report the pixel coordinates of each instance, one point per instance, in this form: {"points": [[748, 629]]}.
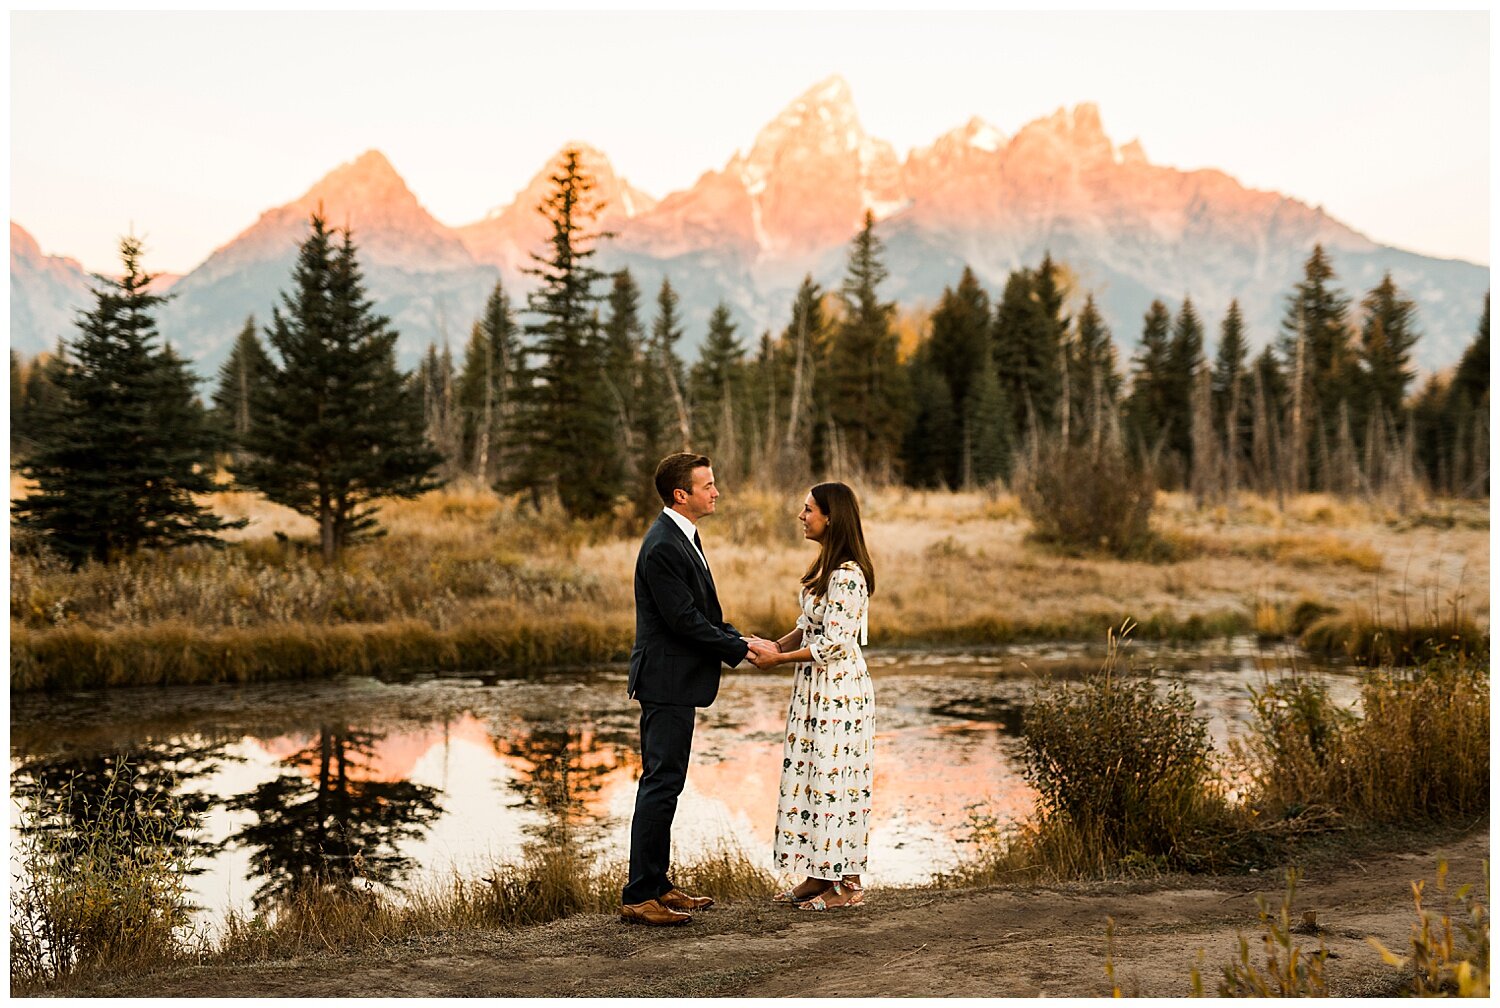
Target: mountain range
{"points": [[1128, 230]]}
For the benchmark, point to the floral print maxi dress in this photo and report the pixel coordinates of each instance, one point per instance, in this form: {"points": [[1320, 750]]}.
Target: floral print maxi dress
{"points": [[823, 817]]}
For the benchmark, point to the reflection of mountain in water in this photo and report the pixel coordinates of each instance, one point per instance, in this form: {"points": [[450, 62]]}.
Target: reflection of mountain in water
{"points": [[329, 821]]}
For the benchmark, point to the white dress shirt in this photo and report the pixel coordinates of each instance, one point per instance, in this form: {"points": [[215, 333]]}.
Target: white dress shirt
{"points": [[689, 530]]}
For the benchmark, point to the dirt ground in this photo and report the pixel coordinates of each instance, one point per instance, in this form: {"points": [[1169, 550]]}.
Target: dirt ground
{"points": [[1024, 942]]}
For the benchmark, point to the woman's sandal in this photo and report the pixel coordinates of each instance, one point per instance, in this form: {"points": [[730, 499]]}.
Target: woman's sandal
{"points": [[790, 896], [856, 898]]}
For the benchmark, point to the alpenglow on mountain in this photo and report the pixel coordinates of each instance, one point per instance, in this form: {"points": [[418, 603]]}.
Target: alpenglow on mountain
{"points": [[747, 233]]}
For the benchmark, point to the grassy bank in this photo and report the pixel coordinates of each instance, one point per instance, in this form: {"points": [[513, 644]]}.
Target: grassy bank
{"points": [[93, 923], [468, 581], [1128, 780]]}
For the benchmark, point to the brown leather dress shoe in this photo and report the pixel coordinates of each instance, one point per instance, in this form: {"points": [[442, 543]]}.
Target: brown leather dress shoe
{"points": [[679, 900], [652, 912]]}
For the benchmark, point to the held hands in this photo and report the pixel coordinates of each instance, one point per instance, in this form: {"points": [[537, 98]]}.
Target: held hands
{"points": [[763, 654]]}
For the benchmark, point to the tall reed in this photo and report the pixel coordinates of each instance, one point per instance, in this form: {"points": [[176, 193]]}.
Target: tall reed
{"points": [[102, 882]]}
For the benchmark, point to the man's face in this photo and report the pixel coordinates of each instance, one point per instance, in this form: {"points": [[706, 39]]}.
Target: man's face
{"points": [[698, 501]]}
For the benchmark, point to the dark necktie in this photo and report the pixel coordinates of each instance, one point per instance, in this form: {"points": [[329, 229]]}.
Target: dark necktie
{"points": [[698, 542]]}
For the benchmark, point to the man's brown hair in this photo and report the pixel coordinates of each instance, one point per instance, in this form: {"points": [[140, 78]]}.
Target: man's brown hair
{"points": [[675, 472]]}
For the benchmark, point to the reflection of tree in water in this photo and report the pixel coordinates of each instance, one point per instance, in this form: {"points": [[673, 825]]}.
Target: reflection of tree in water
{"points": [[559, 772], [327, 827], [138, 797]]}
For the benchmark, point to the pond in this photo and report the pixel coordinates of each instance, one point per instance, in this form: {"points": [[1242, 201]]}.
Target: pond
{"points": [[424, 775]]}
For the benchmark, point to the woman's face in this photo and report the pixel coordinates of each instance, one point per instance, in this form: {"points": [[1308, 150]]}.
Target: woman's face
{"points": [[814, 521]]}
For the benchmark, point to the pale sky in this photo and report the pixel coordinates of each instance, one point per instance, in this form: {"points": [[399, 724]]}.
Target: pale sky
{"points": [[185, 127]]}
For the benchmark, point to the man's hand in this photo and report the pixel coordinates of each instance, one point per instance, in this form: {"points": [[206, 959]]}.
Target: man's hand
{"points": [[762, 653]]}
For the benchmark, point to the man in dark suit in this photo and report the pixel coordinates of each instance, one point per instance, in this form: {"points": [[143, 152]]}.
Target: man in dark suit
{"points": [[681, 640]]}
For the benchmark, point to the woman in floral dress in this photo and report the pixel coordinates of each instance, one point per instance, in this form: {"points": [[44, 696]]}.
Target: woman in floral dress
{"points": [[823, 817]]}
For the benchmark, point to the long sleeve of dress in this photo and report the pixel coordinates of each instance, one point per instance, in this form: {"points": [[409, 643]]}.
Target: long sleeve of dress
{"points": [[844, 618]]}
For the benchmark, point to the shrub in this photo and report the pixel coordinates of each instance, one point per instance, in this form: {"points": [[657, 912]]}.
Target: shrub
{"points": [[1087, 499], [1419, 750], [1125, 768], [1296, 737]]}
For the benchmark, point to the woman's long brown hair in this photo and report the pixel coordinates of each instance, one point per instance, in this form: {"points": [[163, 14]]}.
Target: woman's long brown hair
{"points": [[843, 540]]}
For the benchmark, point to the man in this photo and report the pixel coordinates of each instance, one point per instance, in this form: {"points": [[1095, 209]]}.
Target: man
{"points": [[681, 639]]}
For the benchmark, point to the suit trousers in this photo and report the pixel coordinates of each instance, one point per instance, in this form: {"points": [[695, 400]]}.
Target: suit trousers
{"points": [[666, 742]]}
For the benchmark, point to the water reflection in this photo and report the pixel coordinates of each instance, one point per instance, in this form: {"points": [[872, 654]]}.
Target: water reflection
{"points": [[563, 773], [330, 819], [109, 805], [360, 780]]}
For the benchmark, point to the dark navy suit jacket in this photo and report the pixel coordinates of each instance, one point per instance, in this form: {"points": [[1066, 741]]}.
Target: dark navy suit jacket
{"points": [[681, 638]]}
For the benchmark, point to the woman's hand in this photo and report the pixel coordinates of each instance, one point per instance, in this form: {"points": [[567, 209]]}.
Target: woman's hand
{"points": [[763, 654]]}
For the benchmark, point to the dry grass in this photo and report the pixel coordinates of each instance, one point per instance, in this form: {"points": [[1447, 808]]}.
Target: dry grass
{"points": [[1127, 782], [1451, 946], [1450, 950], [101, 886], [1374, 635], [462, 565], [554, 879], [1419, 750], [1288, 968], [178, 652]]}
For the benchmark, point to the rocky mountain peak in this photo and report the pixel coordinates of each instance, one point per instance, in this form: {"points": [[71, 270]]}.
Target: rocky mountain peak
{"points": [[981, 135], [1075, 135], [22, 243], [508, 234], [368, 182], [620, 199], [813, 172]]}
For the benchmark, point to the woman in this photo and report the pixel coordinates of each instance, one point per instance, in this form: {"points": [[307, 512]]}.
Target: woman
{"points": [[823, 817]]}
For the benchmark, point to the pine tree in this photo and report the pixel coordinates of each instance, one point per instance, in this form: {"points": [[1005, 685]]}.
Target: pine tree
{"points": [[17, 401], [866, 397], [624, 356], [33, 394], [928, 458], [337, 426], [1094, 378], [240, 376], [434, 382], [565, 418], [486, 386], [803, 364], [761, 409], [715, 392], [1231, 404], [959, 349], [1315, 347], [1029, 349], [1467, 414], [666, 333], [1148, 408], [987, 452], [1050, 290], [127, 444], [1433, 433], [1270, 460], [1386, 340], [1184, 361]]}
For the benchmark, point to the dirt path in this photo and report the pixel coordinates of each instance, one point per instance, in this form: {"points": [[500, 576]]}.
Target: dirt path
{"points": [[991, 942]]}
